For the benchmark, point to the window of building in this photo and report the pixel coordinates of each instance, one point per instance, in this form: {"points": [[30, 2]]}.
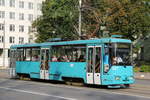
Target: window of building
{"points": [[1, 39], [30, 17], [12, 3], [2, 14], [21, 4], [11, 39], [21, 28], [1, 26], [1, 51], [30, 29], [30, 39], [30, 5], [2, 2], [12, 27], [21, 40], [39, 6], [12, 15], [21, 16]]}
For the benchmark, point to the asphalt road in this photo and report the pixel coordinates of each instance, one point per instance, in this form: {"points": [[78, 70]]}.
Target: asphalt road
{"points": [[14, 89], [142, 82], [11, 89]]}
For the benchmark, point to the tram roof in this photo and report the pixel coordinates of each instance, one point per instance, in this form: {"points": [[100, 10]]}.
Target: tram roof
{"points": [[91, 41]]}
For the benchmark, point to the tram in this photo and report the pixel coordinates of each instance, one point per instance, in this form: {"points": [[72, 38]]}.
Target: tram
{"points": [[104, 61]]}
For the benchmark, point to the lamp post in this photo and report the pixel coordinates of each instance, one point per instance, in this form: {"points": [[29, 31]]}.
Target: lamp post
{"points": [[80, 16]]}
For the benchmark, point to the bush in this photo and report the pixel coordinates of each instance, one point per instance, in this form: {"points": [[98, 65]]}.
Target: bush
{"points": [[145, 68], [136, 69]]}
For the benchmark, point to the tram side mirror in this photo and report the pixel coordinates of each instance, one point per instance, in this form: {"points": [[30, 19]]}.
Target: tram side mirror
{"points": [[106, 51]]}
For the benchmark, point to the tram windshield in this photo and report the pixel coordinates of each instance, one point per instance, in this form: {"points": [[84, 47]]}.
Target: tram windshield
{"points": [[120, 54]]}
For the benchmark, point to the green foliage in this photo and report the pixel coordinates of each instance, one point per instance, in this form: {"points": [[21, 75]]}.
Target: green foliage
{"points": [[142, 68], [129, 17], [136, 69], [145, 68], [60, 18]]}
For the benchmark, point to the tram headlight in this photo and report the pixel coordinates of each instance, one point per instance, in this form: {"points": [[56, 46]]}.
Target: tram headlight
{"points": [[130, 78], [117, 78], [106, 68]]}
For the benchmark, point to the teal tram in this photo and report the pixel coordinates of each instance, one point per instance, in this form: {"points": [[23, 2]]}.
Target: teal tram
{"points": [[104, 61]]}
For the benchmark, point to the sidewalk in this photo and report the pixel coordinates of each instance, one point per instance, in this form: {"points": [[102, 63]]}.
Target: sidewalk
{"points": [[142, 75], [4, 73], [1, 68]]}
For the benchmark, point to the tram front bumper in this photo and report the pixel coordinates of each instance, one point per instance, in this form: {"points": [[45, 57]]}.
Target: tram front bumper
{"points": [[114, 80]]}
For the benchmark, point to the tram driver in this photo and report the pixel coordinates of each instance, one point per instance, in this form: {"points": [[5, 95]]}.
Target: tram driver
{"points": [[116, 60]]}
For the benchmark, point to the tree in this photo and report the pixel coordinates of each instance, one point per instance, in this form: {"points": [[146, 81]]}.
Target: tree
{"points": [[60, 18], [127, 17]]}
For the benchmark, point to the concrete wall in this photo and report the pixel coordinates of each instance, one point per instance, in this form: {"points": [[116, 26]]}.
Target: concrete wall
{"points": [[26, 23]]}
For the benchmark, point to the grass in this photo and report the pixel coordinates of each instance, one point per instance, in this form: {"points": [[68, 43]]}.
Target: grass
{"points": [[142, 68]]}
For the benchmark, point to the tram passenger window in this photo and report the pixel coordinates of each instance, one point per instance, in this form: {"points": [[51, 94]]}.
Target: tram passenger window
{"points": [[20, 54], [28, 54], [64, 58], [35, 54], [73, 53], [81, 58], [35, 58], [54, 58]]}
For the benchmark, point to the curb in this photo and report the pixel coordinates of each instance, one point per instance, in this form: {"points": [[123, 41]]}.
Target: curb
{"points": [[142, 76], [1, 68]]}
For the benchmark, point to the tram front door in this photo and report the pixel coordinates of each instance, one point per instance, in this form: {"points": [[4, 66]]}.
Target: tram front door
{"points": [[44, 67], [94, 65]]}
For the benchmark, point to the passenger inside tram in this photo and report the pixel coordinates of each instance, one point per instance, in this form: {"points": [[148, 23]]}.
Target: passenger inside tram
{"points": [[35, 58], [81, 58], [54, 58]]}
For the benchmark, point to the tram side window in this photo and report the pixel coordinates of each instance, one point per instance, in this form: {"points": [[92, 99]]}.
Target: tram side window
{"points": [[20, 55], [29, 54], [32, 54], [68, 54], [35, 54]]}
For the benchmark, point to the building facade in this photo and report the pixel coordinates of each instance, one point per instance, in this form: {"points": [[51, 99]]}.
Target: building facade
{"points": [[16, 17]]}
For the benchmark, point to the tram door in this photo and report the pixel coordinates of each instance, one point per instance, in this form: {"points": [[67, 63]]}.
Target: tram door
{"points": [[12, 63], [94, 65], [44, 67]]}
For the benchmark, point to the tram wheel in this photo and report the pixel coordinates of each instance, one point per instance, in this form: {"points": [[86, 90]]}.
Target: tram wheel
{"points": [[68, 83], [24, 77], [21, 77], [127, 85]]}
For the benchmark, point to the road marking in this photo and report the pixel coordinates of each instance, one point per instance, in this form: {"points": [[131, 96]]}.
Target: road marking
{"points": [[37, 93], [129, 94], [94, 89], [110, 92], [85, 88]]}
